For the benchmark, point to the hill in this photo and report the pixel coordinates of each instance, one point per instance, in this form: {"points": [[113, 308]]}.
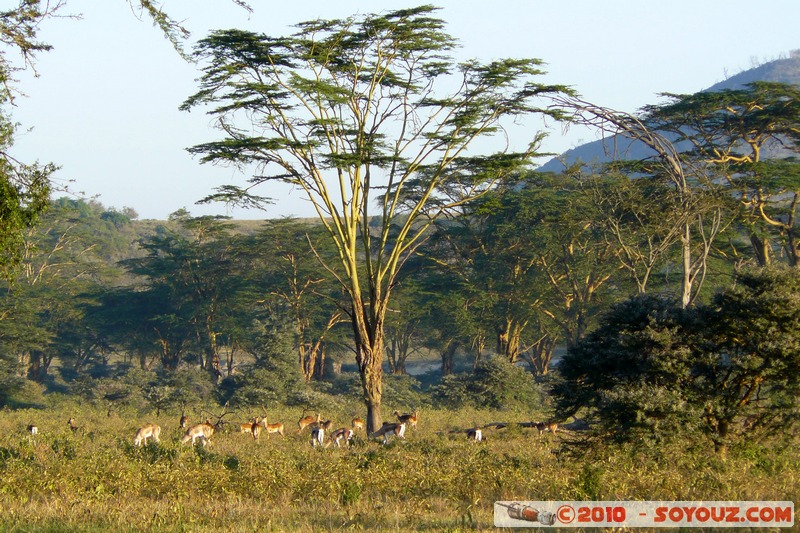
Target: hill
{"points": [[785, 70]]}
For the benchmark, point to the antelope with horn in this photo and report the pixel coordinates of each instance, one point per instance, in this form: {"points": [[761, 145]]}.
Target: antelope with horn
{"points": [[410, 419], [205, 430], [307, 421], [277, 427], [148, 431]]}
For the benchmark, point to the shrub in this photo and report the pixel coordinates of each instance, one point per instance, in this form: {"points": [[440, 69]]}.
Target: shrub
{"points": [[494, 384]]}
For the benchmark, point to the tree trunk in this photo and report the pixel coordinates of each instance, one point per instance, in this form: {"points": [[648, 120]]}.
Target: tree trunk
{"points": [[448, 355], [686, 287], [371, 372], [369, 339], [761, 250]]}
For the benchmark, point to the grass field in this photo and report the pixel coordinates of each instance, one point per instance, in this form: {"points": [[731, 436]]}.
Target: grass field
{"points": [[94, 479]]}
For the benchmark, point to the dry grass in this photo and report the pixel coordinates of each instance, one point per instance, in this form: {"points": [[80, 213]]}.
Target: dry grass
{"points": [[95, 480]]}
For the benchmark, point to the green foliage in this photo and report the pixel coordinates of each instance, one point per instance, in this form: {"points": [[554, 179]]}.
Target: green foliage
{"points": [[494, 384], [654, 370]]}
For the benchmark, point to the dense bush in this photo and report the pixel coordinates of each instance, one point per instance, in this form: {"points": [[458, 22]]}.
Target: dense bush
{"points": [[727, 369], [494, 384]]}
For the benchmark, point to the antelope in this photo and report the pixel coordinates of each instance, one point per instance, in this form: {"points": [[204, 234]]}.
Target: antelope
{"points": [[546, 426], [33, 429], [74, 427], [202, 431], [411, 420], [317, 437], [388, 428], [342, 433], [147, 431], [184, 421], [205, 430], [252, 427], [475, 434], [327, 425], [277, 427], [307, 421], [358, 423]]}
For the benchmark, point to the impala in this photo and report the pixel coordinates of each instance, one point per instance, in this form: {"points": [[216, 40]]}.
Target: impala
{"points": [[546, 426], [277, 427], [327, 425], [202, 431], [73, 426], [184, 421], [252, 427], [475, 434], [317, 437], [411, 419], [388, 428], [342, 433], [148, 431], [307, 421], [358, 423]]}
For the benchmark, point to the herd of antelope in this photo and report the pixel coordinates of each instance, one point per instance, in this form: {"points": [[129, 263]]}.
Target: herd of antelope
{"points": [[322, 433]]}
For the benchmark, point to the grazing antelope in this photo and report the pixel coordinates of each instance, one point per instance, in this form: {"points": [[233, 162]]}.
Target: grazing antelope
{"points": [[546, 426], [205, 430], [145, 432], [33, 429], [307, 421], [342, 433], [359, 424], [317, 437], [388, 428], [475, 434], [411, 419], [202, 431]]}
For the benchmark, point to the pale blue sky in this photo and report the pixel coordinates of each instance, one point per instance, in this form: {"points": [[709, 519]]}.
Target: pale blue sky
{"points": [[105, 106]]}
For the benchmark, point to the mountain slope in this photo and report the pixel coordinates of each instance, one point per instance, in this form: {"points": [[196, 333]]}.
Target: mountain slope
{"points": [[785, 70]]}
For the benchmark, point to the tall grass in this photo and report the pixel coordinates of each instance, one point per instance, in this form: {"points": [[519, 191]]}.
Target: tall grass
{"points": [[96, 480]]}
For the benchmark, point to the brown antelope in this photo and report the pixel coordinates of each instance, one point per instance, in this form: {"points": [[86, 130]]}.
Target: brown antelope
{"points": [[202, 431], [148, 431], [252, 427], [411, 419], [73, 426], [307, 421], [388, 428], [327, 425], [277, 427], [184, 421], [342, 433], [359, 424], [205, 430], [33, 429], [546, 426], [475, 434]]}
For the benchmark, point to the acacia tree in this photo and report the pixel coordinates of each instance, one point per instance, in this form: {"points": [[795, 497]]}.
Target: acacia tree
{"points": [[699, 208], [361, 112], [732, 130]]}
